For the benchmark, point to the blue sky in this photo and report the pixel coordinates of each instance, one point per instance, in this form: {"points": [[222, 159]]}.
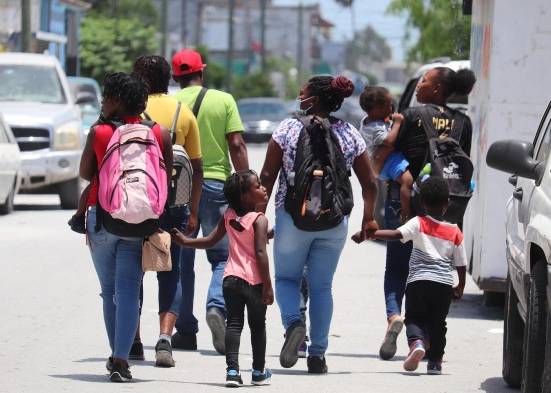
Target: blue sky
{"points": [[367, 12]]}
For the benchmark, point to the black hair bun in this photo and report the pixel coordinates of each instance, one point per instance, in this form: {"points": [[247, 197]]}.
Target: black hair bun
{"points": [[464, 81], [342, 86]]}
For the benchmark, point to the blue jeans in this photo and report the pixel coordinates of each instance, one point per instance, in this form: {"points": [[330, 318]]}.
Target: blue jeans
{"points": [[118, 263], [170, 288], [397, 255], [211, 210], [319, 251]]}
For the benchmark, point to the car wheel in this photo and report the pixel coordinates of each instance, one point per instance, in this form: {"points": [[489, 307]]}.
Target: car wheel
{"points": [[546, 378], [69, 193], [7, 206], [512, 338], [535, 329]]}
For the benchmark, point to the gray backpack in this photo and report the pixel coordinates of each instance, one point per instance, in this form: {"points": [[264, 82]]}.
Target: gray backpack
{"points": [[179, 190]]}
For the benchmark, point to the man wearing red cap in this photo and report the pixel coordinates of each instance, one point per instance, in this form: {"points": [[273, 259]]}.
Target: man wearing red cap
{"points": [[220, 130]]}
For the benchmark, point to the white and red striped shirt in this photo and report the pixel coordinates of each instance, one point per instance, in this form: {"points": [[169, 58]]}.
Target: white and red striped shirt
{"points": [[437, 249]]}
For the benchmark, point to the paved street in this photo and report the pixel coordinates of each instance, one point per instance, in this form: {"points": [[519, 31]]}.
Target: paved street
{"points": [[52, 337]]}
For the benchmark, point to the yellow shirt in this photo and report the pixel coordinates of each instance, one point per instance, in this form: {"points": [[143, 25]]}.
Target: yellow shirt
{"points": [[162, 108]]}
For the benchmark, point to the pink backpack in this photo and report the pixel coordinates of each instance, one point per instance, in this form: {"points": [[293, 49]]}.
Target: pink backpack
{"points": [[132, 176]]}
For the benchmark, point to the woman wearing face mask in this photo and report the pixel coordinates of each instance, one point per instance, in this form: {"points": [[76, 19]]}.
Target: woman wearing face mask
{"points": [[318, 250], [433, 91]]}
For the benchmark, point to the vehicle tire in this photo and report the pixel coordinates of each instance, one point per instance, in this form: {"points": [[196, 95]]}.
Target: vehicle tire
{"points": [[546, 378], [535, 330], [7, 206], [512, 338], [69, 193]]}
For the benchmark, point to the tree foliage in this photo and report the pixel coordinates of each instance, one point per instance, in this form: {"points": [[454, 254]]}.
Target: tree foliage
{"points": [[443, 29], [215, 73], [114, 33], [367, 45], [109, 45], [253, 85]]}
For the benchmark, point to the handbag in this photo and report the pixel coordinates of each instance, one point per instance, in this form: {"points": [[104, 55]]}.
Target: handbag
{"points": [[156, 253]]}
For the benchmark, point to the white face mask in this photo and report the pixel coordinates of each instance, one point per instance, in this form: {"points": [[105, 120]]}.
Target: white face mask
{"points": [[298, 110]]}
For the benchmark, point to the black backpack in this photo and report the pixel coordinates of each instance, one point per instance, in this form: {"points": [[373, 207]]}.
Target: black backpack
{"points": [[449, 162], [319, 193]]}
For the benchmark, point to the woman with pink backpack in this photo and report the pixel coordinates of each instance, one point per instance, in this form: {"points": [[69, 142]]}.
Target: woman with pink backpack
{"points": [[127, 162]]}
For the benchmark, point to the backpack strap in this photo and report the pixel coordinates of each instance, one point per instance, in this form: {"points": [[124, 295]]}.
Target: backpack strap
{"points": [[199, 101], [147, 117], [174, 122], [426, 120]]}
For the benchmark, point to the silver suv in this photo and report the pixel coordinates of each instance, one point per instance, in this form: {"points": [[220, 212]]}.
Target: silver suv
{"points": [[37, 104], [527, 321]]}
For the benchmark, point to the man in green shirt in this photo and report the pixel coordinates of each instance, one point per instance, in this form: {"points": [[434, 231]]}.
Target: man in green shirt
{"points": [[220, 130]]}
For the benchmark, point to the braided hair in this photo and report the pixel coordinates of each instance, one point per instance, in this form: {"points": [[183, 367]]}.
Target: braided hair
{"points": [[155, 71], [330, 91], [130, 89], [238, 184]]}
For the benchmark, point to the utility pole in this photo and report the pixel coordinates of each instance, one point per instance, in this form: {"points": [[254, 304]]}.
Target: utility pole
{"points": [[164, 27], [25, 25], [229, 63], [300, 48], [263, 34]]}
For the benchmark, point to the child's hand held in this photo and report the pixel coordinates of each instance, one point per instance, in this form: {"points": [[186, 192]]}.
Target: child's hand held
{"points": [[178, 237]]}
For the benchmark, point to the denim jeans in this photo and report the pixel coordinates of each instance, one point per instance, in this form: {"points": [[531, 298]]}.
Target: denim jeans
{"points": [[319, 251], [397, 255], [239, 294], [211, 209], [118, 264]]}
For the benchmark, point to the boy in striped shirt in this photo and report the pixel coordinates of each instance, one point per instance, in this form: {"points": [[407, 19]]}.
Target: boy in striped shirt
{"points": [[437, 249]]}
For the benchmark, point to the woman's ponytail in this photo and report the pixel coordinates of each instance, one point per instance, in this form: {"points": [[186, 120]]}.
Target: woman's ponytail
{"points": [[464, 81], [460, 82]]}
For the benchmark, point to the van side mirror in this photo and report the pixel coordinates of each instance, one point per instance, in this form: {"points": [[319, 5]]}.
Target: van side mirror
{"points": [[515, 157]]}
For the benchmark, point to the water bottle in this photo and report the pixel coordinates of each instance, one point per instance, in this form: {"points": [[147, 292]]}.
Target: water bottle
{"points": [[313, 203]]}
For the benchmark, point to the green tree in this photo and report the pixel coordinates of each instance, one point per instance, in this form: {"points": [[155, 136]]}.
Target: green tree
{"points": [[143, 10], [215, 73], [253, 85], [443, 29], [114, 33], [109, 44], [367, 45]]}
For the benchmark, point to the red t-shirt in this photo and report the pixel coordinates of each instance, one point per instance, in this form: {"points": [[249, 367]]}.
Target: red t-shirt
{"points": [[103, 134]]}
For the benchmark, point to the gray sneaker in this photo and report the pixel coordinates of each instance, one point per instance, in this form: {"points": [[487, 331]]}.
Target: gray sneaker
{"points": [[388, 347], [294, 337], [163, 354], [217, 326]]}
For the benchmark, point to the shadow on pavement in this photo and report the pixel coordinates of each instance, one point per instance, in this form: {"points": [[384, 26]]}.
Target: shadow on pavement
{"points": [[471, 307], [31, 207], [286, 371], [364, 356], [496, 385], [97, 378]]}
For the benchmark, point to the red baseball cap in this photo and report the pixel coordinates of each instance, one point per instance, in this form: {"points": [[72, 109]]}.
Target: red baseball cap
{"points": [[187, 61]]}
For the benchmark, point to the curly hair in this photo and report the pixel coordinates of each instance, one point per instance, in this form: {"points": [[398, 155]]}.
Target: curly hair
{"points": [[435, 192], [238, 184], [330, 91], [373, 96], [155, 71], [130, 89]]}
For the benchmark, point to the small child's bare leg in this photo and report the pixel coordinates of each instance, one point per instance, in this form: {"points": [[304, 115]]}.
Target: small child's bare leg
{"points": [[406, 183]]}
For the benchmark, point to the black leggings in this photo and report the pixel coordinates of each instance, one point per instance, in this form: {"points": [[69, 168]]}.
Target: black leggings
{"points": [[427, 306], [239, 293]]}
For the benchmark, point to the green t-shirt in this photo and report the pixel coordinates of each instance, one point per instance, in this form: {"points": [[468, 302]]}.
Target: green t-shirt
{"points": [[218, 116]]}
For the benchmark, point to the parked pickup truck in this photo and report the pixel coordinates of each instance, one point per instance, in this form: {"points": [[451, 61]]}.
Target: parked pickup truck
{"points": [[36, 102]]}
